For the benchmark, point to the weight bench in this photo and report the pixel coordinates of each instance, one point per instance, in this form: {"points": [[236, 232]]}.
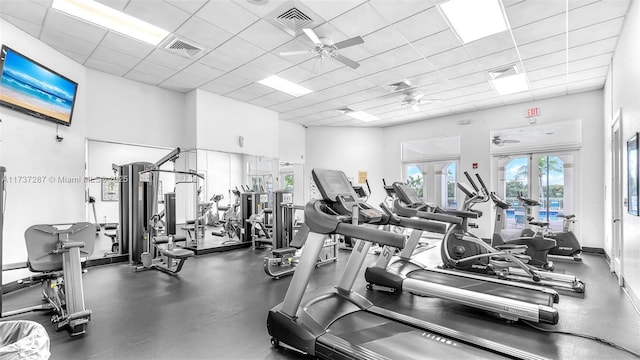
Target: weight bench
{"points": [[169, 260]]}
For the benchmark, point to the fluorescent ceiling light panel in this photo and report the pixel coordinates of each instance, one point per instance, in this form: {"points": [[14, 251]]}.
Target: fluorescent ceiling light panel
{"points": [[506, 85], [107, 17], [474, 19], [285, 86], [361, 115]]}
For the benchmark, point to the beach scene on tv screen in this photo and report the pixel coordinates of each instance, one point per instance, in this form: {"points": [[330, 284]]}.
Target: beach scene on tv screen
{"points": [[28, 85]]}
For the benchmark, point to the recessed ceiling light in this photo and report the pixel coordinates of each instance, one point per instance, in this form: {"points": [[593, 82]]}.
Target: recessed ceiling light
{"points": [[474, 19], [112, 19], [285, 86], [361, 115], [512, 84]]}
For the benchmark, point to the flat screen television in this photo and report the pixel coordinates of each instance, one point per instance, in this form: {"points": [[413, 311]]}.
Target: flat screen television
{"points": [[29, 87]]}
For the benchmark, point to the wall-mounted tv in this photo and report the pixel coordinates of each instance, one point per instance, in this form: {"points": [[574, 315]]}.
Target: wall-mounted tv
{"points": [[32, 88]]}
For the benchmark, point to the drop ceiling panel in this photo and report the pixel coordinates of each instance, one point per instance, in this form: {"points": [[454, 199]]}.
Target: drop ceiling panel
{"points": [[541, 47], [456, 71], [219, 60], [167, 59], [383, 40], [227, 15], [185, 79], [232, 80], [544, 61], [450, 57], [470, 79], [217, 87], [175, 86], [394, 11], [399, 56], [139, 76], [203, 33], [597, 12], [516, 98], [548, 82], [296, 74], [498, 60], [436, 43], [595, 32], [262, 102], [590, 62], [359, 21], [293, 45], [148, 67], [203, 71], [250, 72], [482, 87], [265, 35], [547, 72], [331, 8], [190, 6], [67, 42], [28, 27], [106, 66], [539, 30], [158, 13], [270, 63], [591, 49], [316, 66], [317, 83], [490, 45], [115, 57], [68, 25], [527, 12], [588, 74], [262, 8], [126, 45], [27, 11], [413, 69], [586, 85], [341, 75], [420, 25], [240, 49]]}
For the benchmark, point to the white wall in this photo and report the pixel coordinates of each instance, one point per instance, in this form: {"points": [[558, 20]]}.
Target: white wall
{"points": [[29, 148], [220, 121], [476, 141], [350, 150], [291, 142], [621, 92]]}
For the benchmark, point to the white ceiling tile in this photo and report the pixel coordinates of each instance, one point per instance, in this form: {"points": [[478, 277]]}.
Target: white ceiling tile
{"points": [[383, 40], [240, 49], [414, 69], [436, 87], [588, 74], [175, 86], [68, 25], [79, 58], [586, 85], [187, 80], [385, 77], [317, 83], [470, 79], [190, 6], [232, 80], [126, 45], [399, 56], [487, 103], [450, 57], [498, 60], [293, 45], [423, 24], [544, 61], [203, 33], [116, 4], [394, 11], [227, 15], [597, 12], [241, 95], [540, 30], [271, 63], [548, 82], [251, 72], [106, 66], [527, 12], [26, 26], [167, 59], [158, 13], [262, 8], [517, 98], [594, 48], [262, 102], [217, 87], [329, 9], [148, 67], [590, 62], [545, 46], [359, 21], [296, 74], [427, 78], [264, 35], [26, 11], [456, 71], [574, 4], [490, 45], [316, 66], [219, 60], [595, 32], [482, 87], [203, 71], [67, 42], [341, 75], [143, 77], [437, 43], [547, 72], [370, 66], [115, 57]]}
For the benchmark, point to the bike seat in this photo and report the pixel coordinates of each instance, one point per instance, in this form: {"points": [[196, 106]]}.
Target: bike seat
{"points": [[568, 217], [539, 223]]}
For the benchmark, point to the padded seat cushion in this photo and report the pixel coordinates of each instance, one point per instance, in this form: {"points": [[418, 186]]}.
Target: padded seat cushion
{"points": [[110, 226], [177, 253]]}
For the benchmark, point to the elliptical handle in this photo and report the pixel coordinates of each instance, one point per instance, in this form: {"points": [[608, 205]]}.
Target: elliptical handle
{"points": [[484, 187], [475, 187]]}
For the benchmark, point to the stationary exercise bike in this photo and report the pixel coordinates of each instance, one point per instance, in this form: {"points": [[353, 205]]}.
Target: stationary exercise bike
{"points": [[567, 245]]}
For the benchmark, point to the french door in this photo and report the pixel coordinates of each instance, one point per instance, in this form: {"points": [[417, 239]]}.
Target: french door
{"points": [[435, 181]]}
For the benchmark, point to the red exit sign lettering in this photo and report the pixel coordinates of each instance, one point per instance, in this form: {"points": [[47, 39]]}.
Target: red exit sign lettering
{"points": [[533, 112]]}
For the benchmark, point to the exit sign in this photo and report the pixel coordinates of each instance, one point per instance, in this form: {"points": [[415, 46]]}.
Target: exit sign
{"points": [[532, 112]]}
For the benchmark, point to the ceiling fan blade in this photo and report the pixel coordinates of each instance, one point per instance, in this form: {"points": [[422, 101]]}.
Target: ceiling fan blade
{"points": [[345, 60], [510, 141], [312, 36], [299, 52], [415, 107], [349, 42]]}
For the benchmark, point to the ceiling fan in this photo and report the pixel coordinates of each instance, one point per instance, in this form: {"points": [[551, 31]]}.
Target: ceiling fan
{"points": [[324, 47], [499, 141], [413, 100]]}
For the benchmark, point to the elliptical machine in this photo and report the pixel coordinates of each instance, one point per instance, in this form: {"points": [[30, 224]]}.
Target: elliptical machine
{"points": [[462, 250], [567, 244]]}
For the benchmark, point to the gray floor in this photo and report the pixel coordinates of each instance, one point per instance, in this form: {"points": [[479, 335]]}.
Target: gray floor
{"points": [[217, 307]]}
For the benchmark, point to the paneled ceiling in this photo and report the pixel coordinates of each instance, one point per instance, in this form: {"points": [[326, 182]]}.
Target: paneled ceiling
{"points": [[562, 52]]}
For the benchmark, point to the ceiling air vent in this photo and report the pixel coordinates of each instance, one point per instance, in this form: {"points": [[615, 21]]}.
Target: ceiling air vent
{"points": [[399, 86], [292, 17], [183, 48], [504, 71]]}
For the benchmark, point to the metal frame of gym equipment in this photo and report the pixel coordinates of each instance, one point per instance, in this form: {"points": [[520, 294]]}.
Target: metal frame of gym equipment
{"points": [[282, 258], [54, 255]]}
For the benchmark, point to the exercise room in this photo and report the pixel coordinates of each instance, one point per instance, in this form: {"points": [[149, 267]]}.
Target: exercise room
{"points": [[331, 179]]}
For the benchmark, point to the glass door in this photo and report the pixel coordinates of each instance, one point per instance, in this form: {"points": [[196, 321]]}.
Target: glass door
{"points": [[435, 182]]}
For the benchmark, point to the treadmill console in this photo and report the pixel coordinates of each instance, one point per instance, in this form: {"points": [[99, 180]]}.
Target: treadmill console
{"points": [[346, 202]]}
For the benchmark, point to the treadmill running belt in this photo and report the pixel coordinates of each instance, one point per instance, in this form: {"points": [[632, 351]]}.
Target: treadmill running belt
{"points": [[396, 340], [485, 287]]}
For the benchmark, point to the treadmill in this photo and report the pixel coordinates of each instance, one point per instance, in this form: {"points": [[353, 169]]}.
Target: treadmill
{"points": [[508, 299], [338, 323]]}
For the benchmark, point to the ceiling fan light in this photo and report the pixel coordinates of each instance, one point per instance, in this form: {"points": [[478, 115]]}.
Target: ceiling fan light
{"points": [[474, 19]]}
